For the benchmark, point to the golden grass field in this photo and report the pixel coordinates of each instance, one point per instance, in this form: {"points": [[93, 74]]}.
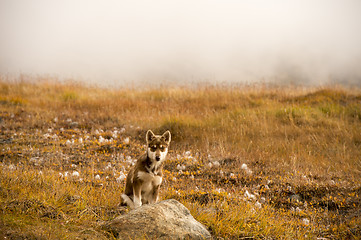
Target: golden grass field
{"points": [[249, 162]]}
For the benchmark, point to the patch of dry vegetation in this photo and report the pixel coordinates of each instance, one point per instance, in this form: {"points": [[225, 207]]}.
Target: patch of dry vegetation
{"points": [[249, 162]]}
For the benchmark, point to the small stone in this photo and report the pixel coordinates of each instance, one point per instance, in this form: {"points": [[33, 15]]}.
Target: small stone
{"points": [[305, 221]]}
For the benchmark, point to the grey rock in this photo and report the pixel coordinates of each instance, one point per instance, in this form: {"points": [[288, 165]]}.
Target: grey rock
{"points": [[74, 124], [167, 219], [295, 198]]}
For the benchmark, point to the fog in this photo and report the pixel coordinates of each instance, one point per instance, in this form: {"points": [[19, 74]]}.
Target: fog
{"points": [[120, 42]]}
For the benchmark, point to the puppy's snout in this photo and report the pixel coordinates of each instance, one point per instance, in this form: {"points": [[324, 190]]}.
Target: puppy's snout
{"points": [[157, 158]]}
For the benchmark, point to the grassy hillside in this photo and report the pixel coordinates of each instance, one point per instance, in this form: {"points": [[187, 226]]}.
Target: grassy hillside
{"points": [[249, 162]]}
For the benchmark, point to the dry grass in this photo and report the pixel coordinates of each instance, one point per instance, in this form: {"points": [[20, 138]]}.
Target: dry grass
{"points": [[257, 161]]}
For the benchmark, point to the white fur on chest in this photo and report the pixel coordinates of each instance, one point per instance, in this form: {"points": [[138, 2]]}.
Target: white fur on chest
{"points": [[149, 178]]}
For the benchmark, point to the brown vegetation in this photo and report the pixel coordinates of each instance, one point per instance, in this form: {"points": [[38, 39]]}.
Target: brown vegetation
{"points": [[248, 161]]}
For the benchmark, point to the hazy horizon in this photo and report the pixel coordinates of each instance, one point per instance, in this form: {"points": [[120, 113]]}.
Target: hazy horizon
{"points": [[118, 42]]}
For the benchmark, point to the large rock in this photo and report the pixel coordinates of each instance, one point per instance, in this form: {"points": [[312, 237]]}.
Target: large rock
{"points": [[168, 219]]}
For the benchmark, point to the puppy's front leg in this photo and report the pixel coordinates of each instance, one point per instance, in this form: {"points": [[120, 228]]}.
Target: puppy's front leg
{"points": [[137, 190], [154, 197]]}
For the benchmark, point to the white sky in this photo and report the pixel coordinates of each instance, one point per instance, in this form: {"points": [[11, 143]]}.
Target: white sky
{"points": [[116, 41]]}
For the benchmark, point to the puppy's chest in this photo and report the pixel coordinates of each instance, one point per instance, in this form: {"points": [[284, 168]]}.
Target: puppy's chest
{"points": [[149, 180]]}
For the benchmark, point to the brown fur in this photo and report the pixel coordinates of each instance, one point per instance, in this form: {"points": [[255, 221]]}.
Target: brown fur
{"points": [[144, 179]]}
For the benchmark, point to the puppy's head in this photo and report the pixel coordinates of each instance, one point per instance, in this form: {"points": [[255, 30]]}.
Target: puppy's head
{"points": [[157, 145]]}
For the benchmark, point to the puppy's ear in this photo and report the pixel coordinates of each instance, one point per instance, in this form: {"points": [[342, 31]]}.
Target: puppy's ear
{"points": [[149, 136], [167, 136]]}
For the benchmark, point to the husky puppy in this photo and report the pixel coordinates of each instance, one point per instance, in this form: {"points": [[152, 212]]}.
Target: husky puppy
{"points": [[144, 179]]}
